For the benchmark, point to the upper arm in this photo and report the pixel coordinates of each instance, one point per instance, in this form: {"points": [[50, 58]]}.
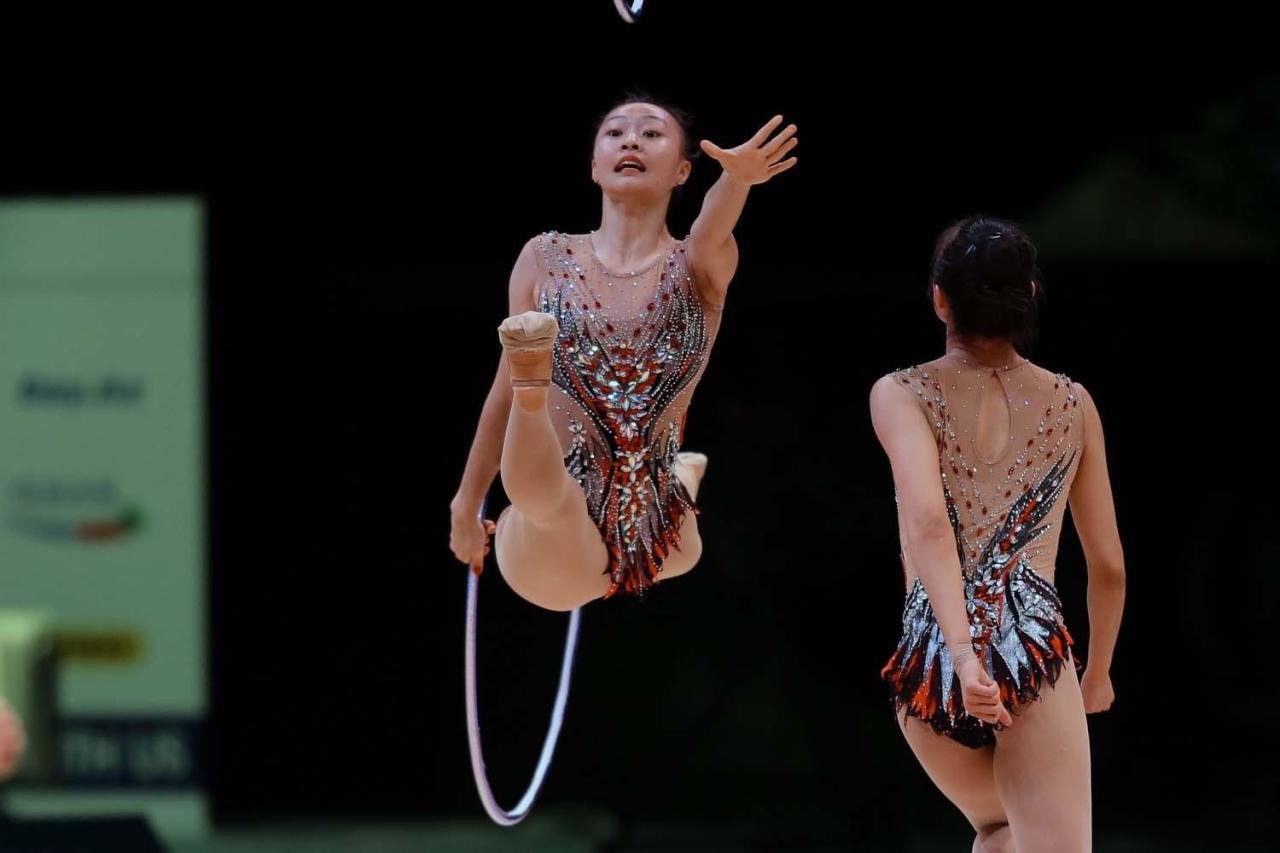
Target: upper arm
{"points": [[525, 275], [908, 439], [712, 268], [1092, 507], [521, 296]]}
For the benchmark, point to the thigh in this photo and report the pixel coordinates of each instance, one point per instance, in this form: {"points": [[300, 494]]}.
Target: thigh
{"points": [[965, 776], [559, 565], [1042, 770]]}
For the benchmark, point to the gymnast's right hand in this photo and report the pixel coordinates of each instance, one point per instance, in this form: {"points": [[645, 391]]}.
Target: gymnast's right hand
{"points": [[979, 691], [469, 536]]}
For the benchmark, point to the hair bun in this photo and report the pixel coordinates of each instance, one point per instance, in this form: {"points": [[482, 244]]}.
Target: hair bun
{"points": [[986, 268]]}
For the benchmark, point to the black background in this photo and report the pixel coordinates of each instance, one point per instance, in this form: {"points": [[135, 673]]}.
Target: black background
{"points": [[362, 223]]}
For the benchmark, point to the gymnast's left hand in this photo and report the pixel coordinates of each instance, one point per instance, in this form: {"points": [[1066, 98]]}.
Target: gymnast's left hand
{"points": [[759, 158], [1096, 690]]}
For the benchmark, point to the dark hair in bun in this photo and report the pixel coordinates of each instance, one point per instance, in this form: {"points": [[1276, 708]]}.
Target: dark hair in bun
{"points": [[986, 268]]}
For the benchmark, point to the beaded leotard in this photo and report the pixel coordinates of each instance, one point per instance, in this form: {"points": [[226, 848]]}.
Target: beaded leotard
{"points": [[629, 354], [1007, 516]]}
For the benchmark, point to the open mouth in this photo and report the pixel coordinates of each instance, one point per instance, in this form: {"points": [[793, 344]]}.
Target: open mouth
{"points": [[629, 165]]}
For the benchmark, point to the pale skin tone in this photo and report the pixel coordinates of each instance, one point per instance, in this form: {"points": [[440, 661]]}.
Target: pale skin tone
{"points": [[1031, 790], [556, 558]]}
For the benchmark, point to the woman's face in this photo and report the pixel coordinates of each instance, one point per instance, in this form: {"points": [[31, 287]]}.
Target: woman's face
{"points": [[639, 152]]}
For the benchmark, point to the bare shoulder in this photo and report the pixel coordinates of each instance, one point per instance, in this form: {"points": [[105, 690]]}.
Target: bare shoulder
{"points": [[1073, 388], [1083, 393], [526, 274], [1092, 417], [531, 254], [892, 390], [1060, 381], [537, 246]]}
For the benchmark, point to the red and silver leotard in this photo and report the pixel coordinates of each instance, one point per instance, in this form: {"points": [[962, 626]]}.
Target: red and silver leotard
{"points": [[630, 352], [1007, 515]]}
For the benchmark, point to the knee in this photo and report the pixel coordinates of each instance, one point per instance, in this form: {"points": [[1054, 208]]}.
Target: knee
{"points": [[539, 500], [994, 838], [554, 600], [542, 579], [543, 589], [1053, 834]]}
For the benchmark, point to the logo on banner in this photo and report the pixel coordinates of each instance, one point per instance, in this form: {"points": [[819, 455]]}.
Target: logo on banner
{"points": [[64, 510]]}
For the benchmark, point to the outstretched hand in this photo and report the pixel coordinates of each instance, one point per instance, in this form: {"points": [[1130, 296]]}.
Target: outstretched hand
{"points": [[759, 158]]}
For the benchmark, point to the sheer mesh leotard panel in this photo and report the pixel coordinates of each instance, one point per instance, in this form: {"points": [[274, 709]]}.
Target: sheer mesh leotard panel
{"points": [[1006, 511], [628, 357]]}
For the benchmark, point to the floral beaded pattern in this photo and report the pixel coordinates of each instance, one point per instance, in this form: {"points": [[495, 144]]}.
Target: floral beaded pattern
{"points": [[630, 350], [1002, 512]]}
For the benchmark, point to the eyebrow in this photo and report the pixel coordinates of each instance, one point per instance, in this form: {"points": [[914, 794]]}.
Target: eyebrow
{"points": [[619, 117]]}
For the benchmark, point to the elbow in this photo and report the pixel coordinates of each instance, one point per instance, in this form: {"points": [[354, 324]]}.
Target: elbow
{"points": [[1107, 571], [930, 530]]}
